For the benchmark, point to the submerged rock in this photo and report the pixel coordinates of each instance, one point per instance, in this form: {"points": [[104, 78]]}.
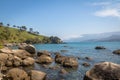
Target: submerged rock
{"points": [[17, 74], [86, 64], [104, 71], [100, 47], [63, 71], [117, 51], [37, 75]]}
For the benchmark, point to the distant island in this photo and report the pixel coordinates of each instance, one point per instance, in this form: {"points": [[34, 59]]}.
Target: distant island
{"points": [[20, 34], [101, 37]]}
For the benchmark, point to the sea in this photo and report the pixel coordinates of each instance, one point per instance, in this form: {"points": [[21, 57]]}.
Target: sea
{"points": [[79, 50]]}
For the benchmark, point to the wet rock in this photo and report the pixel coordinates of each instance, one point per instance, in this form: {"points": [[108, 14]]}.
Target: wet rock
{"points": [[63, 71], [64, 51], [70, 62], [117, 51], [21, 53], [29, 48], [59, 59], [37, 75], [28, 61], [86, 64], [44, 59], [17, 74], [39, 53], [104, 71], [100, 47], [6, 50], [88, 58]]}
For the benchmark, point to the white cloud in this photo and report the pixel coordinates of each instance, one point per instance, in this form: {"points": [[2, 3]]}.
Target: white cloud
{"points": [[101, 3], [108, 12], [108, 9]]}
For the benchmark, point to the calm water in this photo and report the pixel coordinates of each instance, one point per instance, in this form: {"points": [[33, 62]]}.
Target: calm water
{"points": [[82, 50]]}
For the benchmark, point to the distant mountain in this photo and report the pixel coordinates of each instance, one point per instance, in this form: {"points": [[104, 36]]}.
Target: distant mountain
{"points": [[109, 36]]}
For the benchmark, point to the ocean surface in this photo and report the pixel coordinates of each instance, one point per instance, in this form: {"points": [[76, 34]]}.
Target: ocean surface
{"points": [[81, 50]]}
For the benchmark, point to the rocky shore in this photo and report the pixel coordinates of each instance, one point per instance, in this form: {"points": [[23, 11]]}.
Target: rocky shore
{"points": [[13, 62]]}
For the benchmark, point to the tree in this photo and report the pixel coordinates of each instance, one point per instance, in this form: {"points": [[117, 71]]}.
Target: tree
{"points": [[24, 28], [8, 25], [31, 30], [55, 40], [1, 24], [14, 25]]}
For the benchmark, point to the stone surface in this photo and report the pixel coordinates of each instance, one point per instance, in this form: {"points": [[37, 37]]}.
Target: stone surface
{"points": [[28, 61], [100, 47], [17, 74], [37, 75], [44, 59], [104, 71], [39, 53], [29, 48], [117, 51]]}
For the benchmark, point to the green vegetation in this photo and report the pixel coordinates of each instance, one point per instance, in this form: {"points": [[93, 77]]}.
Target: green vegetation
{"points": [[19, 35]]}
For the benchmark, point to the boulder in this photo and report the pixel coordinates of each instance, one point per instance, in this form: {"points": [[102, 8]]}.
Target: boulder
{"points": [[13, 61], [100, 47], [28, 61], [3, 58], [59, 59], [44, 59], [70, 62], [39, 53], [17, 61], [85, 64], [117, 51], [29, 48], [17, 74], [37, 75], [104, 71], [6, 50], [21, 53]]}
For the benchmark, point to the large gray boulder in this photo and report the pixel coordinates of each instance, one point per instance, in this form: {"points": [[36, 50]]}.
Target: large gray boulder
{"points": [[37, 75], [17, 74], [104, 71], [29, 48]]}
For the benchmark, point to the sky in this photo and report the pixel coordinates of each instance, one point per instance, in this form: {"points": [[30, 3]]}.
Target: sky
{"points": [[63, 18]]}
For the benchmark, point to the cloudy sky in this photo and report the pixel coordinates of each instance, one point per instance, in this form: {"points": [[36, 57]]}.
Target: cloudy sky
{"points": [[64, 18]]}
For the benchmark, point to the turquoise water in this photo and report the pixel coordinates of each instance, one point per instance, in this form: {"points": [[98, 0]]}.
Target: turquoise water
{"points": [[82, 50]]}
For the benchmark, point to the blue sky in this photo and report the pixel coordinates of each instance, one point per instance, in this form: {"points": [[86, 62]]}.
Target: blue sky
{"points": [[64, 18]]}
